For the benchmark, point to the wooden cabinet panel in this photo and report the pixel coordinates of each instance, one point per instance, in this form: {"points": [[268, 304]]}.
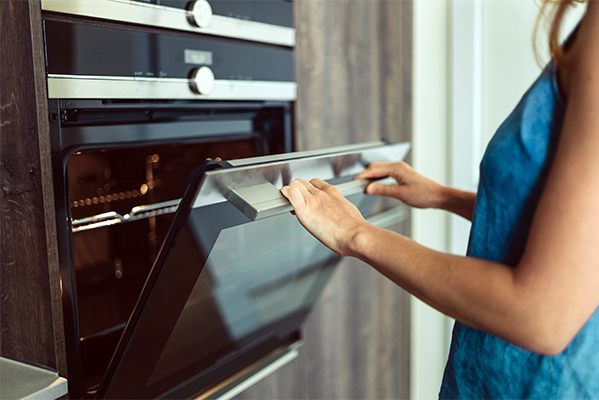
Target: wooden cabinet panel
{"points": [[354, 69], [30, 307], [357, 339]]}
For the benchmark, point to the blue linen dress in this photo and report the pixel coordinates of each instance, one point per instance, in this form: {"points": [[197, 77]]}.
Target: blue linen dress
{"points": [[513, 173]]}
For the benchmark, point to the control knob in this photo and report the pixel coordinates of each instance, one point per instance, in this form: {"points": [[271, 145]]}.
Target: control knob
{"points": [[199, 13], [201, 80]]}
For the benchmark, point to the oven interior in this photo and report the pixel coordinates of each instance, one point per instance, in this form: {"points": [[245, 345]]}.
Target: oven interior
{"points": [[122, 192]]}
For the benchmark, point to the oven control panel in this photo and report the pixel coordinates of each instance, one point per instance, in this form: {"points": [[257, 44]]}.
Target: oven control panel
{"points": [[265, 21], [89, 62], [237, 50]]}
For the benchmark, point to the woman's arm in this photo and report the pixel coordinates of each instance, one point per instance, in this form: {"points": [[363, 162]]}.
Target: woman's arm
{"points": [[544, 301], [416, 190], [473, 291]]}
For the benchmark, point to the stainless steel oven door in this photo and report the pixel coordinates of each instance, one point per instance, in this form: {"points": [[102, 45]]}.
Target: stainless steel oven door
{"points": [[236, 276]]}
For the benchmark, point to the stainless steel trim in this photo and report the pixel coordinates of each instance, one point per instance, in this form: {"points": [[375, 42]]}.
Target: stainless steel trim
{"points": [[173, 18], [217, 185], [121, 87], [386, 219], [253, 374], [265, 200], [303, 154], [258, 376]]}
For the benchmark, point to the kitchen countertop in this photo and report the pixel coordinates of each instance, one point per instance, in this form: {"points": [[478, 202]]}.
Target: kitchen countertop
{"points": [[23, 381]]}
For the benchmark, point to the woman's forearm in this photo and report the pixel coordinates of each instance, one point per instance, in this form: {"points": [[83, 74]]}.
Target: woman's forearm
{"points": [[538, 305], [478, 293], [457, 201]]}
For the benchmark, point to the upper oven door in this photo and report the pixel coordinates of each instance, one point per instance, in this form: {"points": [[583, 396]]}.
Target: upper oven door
{"points": [[237, 273]]}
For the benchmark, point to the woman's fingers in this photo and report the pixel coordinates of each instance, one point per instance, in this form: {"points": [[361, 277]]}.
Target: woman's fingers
{"points": [[295, 196], [311, 188], [320, 184], [382, 190], [303, 185], [376, 170], [299, 192], [324, 212]]}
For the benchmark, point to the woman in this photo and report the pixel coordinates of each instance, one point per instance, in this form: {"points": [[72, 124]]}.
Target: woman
{"points": [[525, 298]]}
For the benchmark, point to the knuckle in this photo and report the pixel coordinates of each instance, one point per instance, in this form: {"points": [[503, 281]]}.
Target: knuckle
{"points": [[332, 189], [404, 165]]}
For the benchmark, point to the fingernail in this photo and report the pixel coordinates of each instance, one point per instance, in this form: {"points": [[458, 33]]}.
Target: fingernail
{"points": [[371, 189]]}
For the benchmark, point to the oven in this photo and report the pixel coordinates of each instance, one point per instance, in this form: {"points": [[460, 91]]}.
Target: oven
{"points": [[181, 276]]}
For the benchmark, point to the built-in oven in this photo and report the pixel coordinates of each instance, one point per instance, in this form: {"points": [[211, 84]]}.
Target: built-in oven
{"points": [[119, 202], [181, 276]]}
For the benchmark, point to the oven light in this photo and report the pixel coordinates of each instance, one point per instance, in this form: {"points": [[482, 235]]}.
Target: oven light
{"points": [[118, 268]]}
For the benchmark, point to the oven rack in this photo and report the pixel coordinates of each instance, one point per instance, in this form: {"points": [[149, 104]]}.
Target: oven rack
{"points": [[384, 220], [136, 213]]}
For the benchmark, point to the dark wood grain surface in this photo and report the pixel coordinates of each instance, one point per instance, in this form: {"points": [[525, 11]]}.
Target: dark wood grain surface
{"points": [[354, 69], [30, 309]]}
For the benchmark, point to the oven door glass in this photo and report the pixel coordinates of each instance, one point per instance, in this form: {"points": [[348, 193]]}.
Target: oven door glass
{"points": [[227, 289]]}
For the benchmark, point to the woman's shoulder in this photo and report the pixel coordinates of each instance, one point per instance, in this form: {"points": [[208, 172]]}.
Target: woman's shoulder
{"points": [[586, 54], [583, 54]]}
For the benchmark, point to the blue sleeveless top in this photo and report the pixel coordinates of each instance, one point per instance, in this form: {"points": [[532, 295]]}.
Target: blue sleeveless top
{"points": [[512, 176]]}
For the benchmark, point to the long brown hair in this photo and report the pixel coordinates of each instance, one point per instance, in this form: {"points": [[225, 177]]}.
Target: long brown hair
{"points": [[555, 10]]}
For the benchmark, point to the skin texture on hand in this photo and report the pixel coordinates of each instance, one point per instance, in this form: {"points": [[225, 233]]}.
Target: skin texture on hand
{"points": [[336, 222], [412, 188], [325, 213], [417, 190]]}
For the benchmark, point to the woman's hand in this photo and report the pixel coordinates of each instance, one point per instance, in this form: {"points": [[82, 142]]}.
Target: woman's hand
{"points": [[325, 213], [417, 190], [412, 188]]}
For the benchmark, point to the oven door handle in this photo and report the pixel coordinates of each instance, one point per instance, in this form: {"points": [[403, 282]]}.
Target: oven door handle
{"points": [[265, 200]]}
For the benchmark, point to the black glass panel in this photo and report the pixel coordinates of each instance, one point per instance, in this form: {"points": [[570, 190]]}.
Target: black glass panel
{"points": [[235, 285], [77, 49], [256, 274]]}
